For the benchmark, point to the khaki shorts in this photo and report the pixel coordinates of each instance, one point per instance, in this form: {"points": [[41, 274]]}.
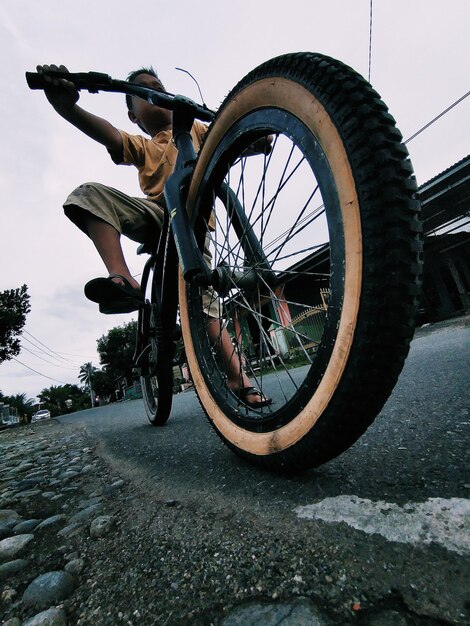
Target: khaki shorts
{"points": [[136, 218]]}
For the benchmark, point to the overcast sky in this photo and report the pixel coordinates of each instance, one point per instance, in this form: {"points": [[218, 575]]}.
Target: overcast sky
{"points": [[420, 65]]}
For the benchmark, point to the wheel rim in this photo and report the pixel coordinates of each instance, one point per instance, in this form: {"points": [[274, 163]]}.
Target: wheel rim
{"points": [[149, 381], [292, 334], [150, 389]]}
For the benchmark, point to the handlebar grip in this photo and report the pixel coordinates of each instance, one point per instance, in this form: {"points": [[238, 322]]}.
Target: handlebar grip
{"points": [[92, 81], [35, 81]]}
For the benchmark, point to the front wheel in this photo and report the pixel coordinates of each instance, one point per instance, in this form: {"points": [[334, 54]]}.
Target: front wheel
{"points": [[316, 257]]}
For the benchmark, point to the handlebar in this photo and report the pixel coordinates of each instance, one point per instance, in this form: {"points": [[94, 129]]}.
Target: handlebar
{"points": [[97, 81]]}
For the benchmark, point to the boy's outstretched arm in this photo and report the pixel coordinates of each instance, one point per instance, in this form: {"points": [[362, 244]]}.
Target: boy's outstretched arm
{"points": [[63, 96]]}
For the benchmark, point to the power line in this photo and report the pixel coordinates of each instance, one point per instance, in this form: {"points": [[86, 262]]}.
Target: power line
{"points": [[36, 372], [52, 356], [47, 348], [437, 117], [46, 361], [369, 75], [84, 356], [48, 352], [34, 344]]}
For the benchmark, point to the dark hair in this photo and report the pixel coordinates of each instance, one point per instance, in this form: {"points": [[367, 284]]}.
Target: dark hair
{"points": [[133, 75]]}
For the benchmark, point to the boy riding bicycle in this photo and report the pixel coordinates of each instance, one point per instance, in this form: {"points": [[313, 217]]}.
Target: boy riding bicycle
{"points": [[104, 213]]}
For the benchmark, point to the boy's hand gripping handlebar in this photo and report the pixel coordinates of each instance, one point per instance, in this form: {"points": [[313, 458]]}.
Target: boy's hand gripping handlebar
{"points": [[97, 81], [92, 81]]}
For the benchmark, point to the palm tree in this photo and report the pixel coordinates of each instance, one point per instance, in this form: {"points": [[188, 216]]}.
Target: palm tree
{"points": [[86, 373], [20, 402]]}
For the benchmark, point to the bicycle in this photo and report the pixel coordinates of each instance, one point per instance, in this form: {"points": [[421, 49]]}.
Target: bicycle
{"points": [[316, 263]]}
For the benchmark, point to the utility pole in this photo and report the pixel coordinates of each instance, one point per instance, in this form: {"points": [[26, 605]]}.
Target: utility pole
{"points": [[89, 367]]}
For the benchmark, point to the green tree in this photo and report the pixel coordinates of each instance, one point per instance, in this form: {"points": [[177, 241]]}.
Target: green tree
{"points": [[56, 399], [24, 405], [86, 376], [116, 350], [14, 306], [104, 384]]}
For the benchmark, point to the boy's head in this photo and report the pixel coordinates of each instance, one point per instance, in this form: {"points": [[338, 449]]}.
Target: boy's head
{"points": [[148, 117], [133, 75]]}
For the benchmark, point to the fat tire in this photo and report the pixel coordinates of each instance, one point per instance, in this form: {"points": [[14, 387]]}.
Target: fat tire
{"points": [[390, 277]]}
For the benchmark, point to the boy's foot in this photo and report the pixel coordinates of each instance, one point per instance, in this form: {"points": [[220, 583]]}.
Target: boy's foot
{"points": [[113, 308], [114, 294], [252, 397]]}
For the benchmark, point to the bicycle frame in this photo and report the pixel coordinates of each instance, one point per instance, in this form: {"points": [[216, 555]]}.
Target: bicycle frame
{"points": [[185, 111], [177, 241], [331, 193]]}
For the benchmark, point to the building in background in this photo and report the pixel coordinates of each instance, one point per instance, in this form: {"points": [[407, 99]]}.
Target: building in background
{"points": [[445, 201]]}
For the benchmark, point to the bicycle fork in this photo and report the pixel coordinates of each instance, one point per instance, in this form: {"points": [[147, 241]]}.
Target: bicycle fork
{"points": [[193, 266]]}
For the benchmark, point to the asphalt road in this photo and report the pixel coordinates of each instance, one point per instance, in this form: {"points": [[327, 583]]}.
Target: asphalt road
{"points": [[383, 527]]}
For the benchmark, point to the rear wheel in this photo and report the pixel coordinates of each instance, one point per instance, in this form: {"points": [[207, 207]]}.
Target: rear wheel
{"points": [[316, 255], [155, 362]]}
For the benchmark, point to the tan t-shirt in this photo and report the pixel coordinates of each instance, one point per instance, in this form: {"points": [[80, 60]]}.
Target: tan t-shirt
{"points": [[155, 157]]}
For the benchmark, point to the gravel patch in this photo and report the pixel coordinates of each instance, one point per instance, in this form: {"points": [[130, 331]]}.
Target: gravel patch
{"points": [[107, 549]]}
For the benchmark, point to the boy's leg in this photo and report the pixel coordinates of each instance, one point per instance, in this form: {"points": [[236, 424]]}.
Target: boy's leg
{"points": [[236, 376], [219, 337], [103, 213], [107, 241]]}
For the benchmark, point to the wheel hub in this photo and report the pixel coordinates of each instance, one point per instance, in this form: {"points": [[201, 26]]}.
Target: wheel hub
{"points": [[224, 278]]}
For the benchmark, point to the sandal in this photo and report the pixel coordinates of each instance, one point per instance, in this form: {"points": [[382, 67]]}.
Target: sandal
{"points": [[119, 306], [113, 297], [243, 393]]}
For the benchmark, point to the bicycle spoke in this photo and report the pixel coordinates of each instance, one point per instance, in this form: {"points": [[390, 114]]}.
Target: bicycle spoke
{"points": [[265, 201]]}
